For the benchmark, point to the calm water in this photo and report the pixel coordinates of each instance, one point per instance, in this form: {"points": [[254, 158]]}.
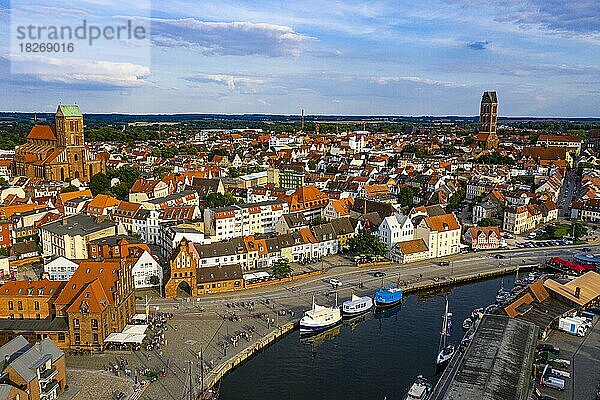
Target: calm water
{"points": [[378, 357]]}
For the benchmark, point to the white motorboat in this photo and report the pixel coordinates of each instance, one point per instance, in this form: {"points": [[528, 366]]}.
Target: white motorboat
{"points": [[467, 323], [420, 390], [356, 305], [319, 318]]}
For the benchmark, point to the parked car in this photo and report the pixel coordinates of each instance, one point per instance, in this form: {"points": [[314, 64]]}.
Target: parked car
{"points": [[379, 274], [548, 347], [335, 283], [586, 249], [553, 382], [444, 263], [499, 256]]}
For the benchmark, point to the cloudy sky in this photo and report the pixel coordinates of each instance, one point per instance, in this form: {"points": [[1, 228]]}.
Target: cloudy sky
{"points": [[347, 57]]}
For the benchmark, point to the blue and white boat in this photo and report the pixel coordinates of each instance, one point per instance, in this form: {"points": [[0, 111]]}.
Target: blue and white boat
{"points": [[388, 296], [319, 318], [356, 306]]}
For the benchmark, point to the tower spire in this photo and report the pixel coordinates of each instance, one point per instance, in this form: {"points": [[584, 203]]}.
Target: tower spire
{"points": [[35, 119]]}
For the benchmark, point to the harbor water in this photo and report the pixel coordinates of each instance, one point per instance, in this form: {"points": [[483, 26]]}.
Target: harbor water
{"points": [[375, 357]]}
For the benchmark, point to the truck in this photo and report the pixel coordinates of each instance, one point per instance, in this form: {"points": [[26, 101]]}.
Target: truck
{"points": [[574, 325]]}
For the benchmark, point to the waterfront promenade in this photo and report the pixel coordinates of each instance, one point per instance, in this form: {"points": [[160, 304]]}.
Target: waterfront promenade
{"points": [[210, 323]]}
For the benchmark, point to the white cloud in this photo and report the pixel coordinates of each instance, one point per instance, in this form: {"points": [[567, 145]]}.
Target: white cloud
{"points": [[386, 80], [229, 38], [233, 82], [77, 71]]}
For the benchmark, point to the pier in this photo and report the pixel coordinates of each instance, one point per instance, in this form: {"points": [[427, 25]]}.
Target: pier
{"points": [[497, 364], [218, 373]]}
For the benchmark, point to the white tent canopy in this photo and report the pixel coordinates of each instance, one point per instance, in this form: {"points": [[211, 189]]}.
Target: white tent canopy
{"points": [[131, 334], [256, 275]]}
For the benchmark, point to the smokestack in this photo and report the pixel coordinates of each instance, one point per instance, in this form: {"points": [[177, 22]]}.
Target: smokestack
{"points": [[577, 291], [303, 119]]}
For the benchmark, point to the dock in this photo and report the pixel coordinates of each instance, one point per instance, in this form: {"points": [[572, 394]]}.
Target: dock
{"points": [[496, 365], [214, 376], [431, 284]]}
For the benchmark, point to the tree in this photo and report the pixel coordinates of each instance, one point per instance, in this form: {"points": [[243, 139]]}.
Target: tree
{"points": [[69, 189], [365, 242], [456, 199], [160, 171], [233, 172], [3, 182], [318, 221], [312, 165], [487, 222], [214, 200], [579, 230], [405, 196], [281, 268], [99, 183], [154, 280]]}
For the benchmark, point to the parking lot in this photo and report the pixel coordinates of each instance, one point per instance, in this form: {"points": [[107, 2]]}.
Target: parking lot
{"points": [[583, 353]]}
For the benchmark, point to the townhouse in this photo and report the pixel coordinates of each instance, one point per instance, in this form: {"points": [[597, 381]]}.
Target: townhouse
{"points": [[242, 220], [441, 234]]}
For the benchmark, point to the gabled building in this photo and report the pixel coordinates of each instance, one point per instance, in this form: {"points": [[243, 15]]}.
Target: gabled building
{"points": [[32, 371], [484, 238], [441, 234]]}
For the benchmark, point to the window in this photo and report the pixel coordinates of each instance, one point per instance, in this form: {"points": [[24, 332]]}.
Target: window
{"points": [[77, 338], [76, 323], [94, 324], [36, 305], [37, 316], [10, 305], [20, 305], [61, 337], [95, 338]]}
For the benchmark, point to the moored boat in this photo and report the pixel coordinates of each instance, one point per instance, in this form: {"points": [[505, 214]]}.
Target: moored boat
{"points": [[467, 323], [446, 351], [388, 296], [319, 318], [420, 390], [356, 306]]}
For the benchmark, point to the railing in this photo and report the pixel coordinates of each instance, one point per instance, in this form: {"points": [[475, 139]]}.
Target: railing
{"points": [[47, 375], [48, 390]]}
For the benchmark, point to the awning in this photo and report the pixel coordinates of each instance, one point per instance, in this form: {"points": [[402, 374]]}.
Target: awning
{"points": [[256, 275], [130, 334]]}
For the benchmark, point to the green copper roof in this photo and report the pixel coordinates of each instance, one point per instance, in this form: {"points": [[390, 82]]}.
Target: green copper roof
{"points": [[69, 111]]}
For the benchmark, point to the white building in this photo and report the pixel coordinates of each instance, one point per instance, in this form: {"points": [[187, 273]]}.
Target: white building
{"points": [[441, 234], [60, 269], [243, 220], [396, 228], [144, 268]]}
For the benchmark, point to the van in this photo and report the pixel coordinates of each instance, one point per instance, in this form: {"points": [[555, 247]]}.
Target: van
{"points": [[553, 382], [335, 283]]}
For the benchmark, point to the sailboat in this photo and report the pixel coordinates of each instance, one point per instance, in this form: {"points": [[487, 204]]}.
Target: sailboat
{"points": [[445, 351], [502, 294], [319, 318]]}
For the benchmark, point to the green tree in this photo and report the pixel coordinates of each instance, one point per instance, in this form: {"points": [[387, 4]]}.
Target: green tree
{"points": [[455, 200], [214, 200], [579, 230], [487, 222], [312, 165], [160, 171], [3, 182], [69, 189], [318, 221], [405, 196], [365, 242], [99, 183], [281, 268], [233, 172], [154, 280]]}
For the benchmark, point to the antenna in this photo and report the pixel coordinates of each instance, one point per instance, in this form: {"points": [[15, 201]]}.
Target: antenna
{"points": [[303, 119]]}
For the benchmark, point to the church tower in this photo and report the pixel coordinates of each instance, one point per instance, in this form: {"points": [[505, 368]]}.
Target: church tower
{"points": [[488, 117], [69, 126]]}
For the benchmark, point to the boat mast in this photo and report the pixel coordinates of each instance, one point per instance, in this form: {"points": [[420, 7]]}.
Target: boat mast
{"points": [[444, 326]]}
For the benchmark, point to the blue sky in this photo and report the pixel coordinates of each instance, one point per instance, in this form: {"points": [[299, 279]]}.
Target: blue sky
{"points": [[329, 57]]}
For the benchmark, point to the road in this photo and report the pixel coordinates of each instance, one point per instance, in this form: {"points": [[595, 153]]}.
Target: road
{"points": [[351, 276]]}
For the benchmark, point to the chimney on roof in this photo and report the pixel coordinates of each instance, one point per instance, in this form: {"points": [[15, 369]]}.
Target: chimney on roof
{"points": [[577, 291]]}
